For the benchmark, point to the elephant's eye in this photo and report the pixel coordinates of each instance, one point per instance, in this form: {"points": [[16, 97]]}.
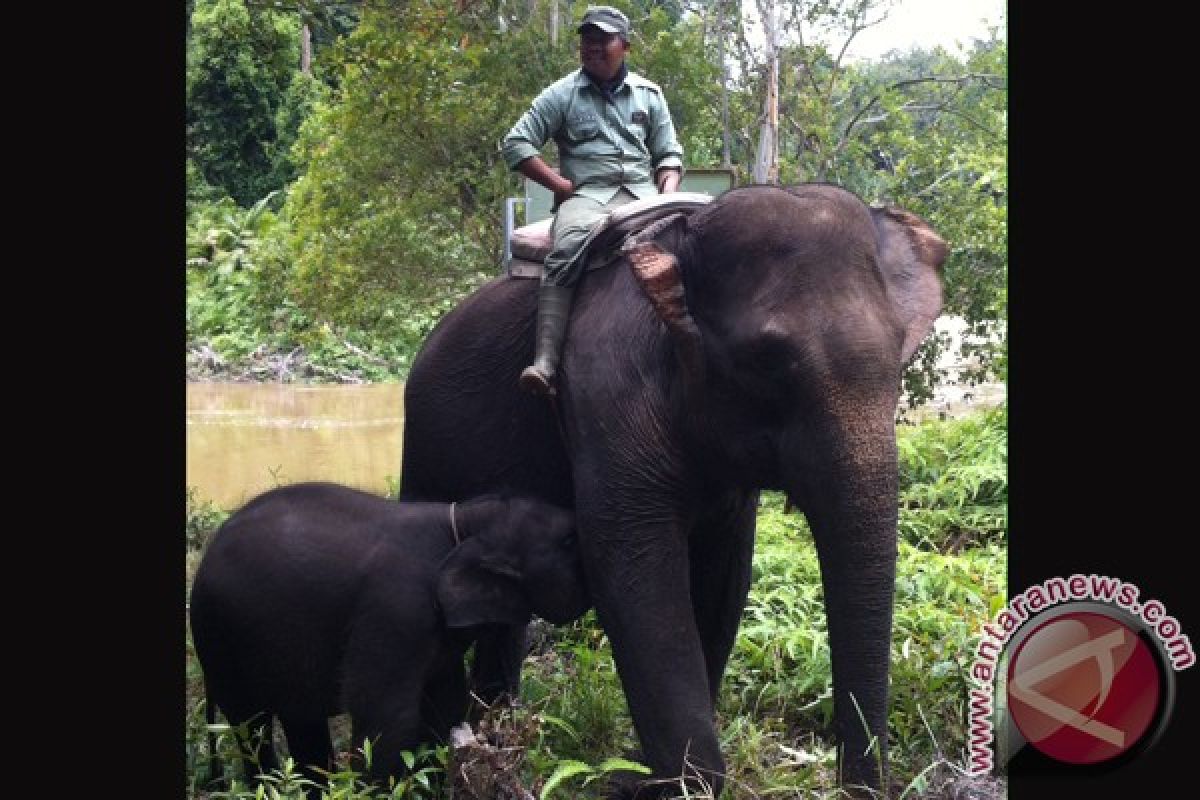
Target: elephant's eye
{"points": [[769, 358], [764, 371], [770, 353]]}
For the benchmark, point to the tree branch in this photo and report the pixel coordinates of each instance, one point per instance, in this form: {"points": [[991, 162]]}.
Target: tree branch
{"points": [[933, 185], [961, 81]]}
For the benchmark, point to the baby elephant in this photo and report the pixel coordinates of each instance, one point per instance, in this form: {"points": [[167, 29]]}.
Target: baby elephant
{"points": [[315, 599]]}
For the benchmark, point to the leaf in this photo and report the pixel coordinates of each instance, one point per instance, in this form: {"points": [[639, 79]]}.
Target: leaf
{"points": [[564, 770], [561, 724], [613, 764]]}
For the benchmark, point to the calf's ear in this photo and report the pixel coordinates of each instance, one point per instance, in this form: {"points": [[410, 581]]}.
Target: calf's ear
{"points": [[475, 587]]}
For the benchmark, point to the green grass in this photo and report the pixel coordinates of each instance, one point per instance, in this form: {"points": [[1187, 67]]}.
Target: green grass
{"points": [[954, 481], [775, 704]]}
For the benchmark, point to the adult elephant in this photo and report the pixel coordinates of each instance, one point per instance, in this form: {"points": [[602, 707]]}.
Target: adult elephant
{"points": [[759, 346]]}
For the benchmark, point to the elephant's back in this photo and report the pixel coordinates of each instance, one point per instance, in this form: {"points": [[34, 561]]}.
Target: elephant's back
{"points": [[490, 329], [468, 429]]}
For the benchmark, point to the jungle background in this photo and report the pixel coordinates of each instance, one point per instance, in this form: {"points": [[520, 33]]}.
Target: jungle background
{"points": [[345, 189]]}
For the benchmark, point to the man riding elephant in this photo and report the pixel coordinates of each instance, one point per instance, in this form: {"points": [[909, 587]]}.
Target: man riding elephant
{"points": [[616, 143]]}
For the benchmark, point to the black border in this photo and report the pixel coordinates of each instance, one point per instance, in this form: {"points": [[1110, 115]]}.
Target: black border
{"points": [[96, 306], [1100, 466]]}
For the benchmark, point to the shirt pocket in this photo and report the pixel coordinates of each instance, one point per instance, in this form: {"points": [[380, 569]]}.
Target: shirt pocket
{"points": [[582, 126], [639, 123]]}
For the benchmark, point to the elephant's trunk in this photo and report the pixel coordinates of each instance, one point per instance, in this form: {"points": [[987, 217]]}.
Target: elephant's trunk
{"points": [[850, 502]]}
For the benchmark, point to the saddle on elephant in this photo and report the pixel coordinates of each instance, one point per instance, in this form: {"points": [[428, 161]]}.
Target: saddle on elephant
{"points": [[532, 243]]}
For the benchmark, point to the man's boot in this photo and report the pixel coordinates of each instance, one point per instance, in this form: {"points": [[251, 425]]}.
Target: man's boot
{"points": [[554, 306]]}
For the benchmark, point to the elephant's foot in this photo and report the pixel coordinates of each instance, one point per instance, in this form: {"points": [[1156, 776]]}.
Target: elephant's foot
{"points": [[623, 785], [628, 786]]}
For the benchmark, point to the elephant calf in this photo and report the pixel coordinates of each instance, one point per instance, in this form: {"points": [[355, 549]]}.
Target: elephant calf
{"points": [[315, 599]]}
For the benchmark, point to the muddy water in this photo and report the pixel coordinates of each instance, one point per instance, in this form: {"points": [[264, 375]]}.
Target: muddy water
{"points": [[243, 439]]}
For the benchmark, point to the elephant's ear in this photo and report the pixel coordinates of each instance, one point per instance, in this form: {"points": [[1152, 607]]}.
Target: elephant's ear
{"points": [[658, 274], [911, 255], [476, 587]]}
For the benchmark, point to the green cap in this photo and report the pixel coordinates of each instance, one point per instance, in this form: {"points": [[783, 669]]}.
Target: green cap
{"points": [[607, 19]]}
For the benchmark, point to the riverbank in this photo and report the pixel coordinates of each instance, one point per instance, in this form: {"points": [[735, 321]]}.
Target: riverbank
{"points": [[343, 362], [266, 364]]}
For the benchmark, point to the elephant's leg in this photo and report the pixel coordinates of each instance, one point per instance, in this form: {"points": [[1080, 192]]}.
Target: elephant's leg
{"points": [[444, 701], [310, 746], [722, 553], [385, 670], [392, 723], [496, 668], [639, 577]]}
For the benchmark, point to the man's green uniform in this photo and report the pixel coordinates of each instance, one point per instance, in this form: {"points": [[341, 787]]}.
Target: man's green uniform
{"points": [[605, 144]]}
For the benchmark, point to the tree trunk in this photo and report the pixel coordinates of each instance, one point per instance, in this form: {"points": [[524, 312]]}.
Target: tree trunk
{"points": [[305, 50], [766, 162], [725, 155], [554, 23]]}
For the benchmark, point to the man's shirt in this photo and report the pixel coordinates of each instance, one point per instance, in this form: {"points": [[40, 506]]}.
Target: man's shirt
{"points": [[602, 145]]}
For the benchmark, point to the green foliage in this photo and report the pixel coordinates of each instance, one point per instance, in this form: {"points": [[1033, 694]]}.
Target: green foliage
{"points": [[304, 92], [202, 518], [780, 653], [942, 602], [198, 191], [777, 685], [954, 481], [663, 48], [593, 717], [222, 236], [426, 767], [570, 769], [243, 321], [950, 166], [240, 63], [403, 182]]}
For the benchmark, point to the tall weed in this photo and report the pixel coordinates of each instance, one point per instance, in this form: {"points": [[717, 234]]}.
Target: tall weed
{"points": [[954, 481]]}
